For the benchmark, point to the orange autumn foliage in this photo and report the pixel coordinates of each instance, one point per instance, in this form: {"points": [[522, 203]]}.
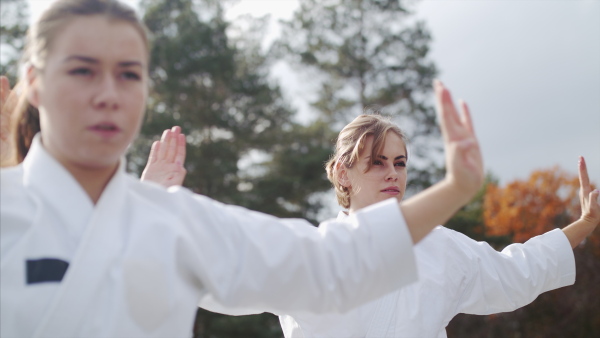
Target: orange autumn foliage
{"points": [[523, 209]]}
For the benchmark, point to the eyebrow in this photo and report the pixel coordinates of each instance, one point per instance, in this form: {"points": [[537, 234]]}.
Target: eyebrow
{"points": [[396, 158], [385, 158], [91, 60]]}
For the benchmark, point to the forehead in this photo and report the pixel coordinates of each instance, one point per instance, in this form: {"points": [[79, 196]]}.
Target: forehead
{"points": [[100, 38], [393, 146]]}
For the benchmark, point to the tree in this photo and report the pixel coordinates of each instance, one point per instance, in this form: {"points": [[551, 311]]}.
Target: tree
{"points": [[295, 173], [523, 209], [14, 15], [469, 219], [219, 95], [363, 53]]}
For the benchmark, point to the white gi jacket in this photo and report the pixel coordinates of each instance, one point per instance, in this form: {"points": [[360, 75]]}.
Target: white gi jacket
{"points": [[136, 263], [456, 275]]}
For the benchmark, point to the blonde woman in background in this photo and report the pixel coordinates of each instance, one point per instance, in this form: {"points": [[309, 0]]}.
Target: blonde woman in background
{"points": [[456, 273]]}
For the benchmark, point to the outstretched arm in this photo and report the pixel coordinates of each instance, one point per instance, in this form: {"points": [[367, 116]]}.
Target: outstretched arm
{"points": [[165, 163], [464, 170], [590, 209]]}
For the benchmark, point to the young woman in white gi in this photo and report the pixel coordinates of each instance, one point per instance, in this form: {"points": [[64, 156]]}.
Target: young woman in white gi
{"points": [[87, 250], [456, 273]]}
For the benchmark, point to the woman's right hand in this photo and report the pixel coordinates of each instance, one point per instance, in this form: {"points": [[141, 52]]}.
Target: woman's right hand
{"points": [[165, 163], [464, 163]]}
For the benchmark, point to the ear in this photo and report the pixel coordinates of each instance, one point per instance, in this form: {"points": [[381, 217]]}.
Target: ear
{"points": [[32, 87], [343, 178]]}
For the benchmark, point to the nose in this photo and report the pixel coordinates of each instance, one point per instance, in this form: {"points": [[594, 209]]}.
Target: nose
{"points": [[107, 96], [391, 175]]}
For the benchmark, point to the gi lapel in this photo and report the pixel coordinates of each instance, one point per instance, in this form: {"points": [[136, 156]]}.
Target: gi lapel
{"points": [[98, 251]]}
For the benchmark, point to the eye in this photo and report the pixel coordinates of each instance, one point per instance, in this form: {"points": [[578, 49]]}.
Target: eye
{"points": [[82, 71], [377, 162], [400, 164], [131, 76]]}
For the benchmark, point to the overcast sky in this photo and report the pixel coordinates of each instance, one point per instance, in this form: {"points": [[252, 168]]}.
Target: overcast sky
{"points": [[529, 70]]}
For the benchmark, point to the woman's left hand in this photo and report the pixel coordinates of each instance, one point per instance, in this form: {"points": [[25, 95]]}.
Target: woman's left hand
{"points": [[590, 207], [464, 163], [165, 163]]}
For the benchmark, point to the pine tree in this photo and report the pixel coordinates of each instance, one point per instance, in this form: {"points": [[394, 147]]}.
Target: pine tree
{"points": [[14, 16], [364, 53]]}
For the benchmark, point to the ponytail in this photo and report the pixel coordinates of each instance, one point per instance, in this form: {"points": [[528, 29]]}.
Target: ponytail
{"points": [[24, 124]]}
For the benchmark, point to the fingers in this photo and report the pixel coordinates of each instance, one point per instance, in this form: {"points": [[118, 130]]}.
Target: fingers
{"points": [[154, 150], [594, 197], [584, 180], [466, 117], [164, 140], [449, 120], [180, 157], [172, 144]]}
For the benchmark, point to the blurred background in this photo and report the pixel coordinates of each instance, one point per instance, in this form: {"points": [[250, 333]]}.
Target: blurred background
{"points": [[261, 88]]}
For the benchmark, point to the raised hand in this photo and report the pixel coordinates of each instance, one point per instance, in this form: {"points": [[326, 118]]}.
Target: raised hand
{"points": [[464, 171], [464, 163], [165, 163], [590, 207], [577, 231]]}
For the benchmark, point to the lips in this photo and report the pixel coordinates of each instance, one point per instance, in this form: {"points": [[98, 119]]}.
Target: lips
{"points": [[105, 129], [393, 190], [105, 126]]}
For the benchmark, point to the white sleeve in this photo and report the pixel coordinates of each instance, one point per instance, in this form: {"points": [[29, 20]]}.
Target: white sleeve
{"points": [[507, 280], [249, 260]]}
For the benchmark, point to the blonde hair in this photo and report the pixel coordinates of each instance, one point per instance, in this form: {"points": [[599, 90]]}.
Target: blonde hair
{"points": [[351, 142], [40, 37]]}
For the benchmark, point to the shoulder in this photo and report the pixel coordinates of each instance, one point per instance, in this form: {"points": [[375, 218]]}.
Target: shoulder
{"points": [[174, 200], [150, 193], [440, 237]]}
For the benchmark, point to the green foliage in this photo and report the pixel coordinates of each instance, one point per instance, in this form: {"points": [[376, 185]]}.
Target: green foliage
{"points": [[296, 172], [218, 93], [469, 219], [364, 53], [14, 15]]}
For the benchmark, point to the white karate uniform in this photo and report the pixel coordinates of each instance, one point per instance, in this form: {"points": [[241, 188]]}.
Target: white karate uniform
{"points": [[456, 275], [141, 258]]}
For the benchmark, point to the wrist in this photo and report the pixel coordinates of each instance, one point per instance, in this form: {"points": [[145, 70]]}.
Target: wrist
{"points": [[588, 221], [461, 192]]}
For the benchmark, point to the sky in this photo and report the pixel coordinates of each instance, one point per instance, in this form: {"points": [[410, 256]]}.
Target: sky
{"points": [[529, 70]]}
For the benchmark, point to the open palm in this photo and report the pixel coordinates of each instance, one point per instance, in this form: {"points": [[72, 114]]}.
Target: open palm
{"points": [[165, 163], [464, 163]]}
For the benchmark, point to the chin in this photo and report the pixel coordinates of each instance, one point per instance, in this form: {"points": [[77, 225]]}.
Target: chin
{"points": [[98, 160]]}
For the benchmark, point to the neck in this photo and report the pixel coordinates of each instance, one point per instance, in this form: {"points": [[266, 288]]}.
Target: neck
{"points": [[92, 180]]}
